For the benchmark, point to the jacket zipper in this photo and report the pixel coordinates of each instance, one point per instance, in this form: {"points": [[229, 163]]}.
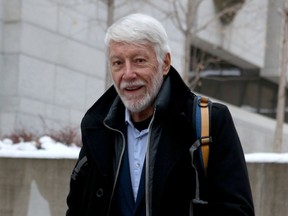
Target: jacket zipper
{"points": [[147, 191], [119, 165], [147, 194]]}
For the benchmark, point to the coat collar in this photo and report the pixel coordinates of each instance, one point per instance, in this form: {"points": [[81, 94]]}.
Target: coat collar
{"points": [[171, 97]]}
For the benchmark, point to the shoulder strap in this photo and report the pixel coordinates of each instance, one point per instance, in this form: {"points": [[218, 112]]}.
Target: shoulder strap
{"points": [[202, 124]]}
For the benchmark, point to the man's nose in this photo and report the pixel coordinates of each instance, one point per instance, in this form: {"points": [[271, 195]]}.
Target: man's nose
{"points": [[129, 72]]}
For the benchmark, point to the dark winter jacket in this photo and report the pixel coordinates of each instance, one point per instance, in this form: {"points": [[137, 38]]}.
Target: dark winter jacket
{"points": [[169, 176]]}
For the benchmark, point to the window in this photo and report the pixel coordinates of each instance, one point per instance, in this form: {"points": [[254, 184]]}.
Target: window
{"points": [[234, 85]]}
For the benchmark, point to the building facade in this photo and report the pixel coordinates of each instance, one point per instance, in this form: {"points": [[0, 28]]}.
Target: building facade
{"points": [[52, 55]]}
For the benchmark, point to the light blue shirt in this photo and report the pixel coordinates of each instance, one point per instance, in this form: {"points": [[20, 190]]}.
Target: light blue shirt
{"points": [[137, 146]]}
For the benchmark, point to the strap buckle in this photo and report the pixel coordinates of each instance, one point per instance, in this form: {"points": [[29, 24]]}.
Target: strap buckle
{"points": [[205, 140], [203, 102]]}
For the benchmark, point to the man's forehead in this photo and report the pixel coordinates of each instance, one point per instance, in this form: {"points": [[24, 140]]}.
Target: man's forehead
{"points": [[124, 47]]}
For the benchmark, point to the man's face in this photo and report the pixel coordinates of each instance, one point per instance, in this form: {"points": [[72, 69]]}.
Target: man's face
{"points": [[136, 73]]}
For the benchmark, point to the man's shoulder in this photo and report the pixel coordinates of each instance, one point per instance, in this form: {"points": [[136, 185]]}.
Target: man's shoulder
{"points": [[217, 107], [220, 113]]}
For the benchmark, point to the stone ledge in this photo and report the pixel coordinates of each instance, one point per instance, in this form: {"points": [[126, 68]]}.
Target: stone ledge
{"points": [[40, 186]]}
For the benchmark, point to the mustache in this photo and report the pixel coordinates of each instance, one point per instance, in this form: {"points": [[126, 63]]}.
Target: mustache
{"points": [[132, 84]]}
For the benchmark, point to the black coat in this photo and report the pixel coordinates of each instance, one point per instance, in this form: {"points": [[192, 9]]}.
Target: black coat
{"points": [[170, 178]]}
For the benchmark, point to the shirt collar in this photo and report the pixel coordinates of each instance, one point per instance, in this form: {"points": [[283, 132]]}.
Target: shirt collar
{"points": [[129, 122], [128, 117]]}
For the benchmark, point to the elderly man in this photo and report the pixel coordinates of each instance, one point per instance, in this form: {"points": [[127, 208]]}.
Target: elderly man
{"points": [[135, 158]]}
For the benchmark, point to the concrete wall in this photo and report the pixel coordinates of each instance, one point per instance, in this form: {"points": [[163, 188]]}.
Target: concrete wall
{"points": [[53, 63], [269, 188], [243, 41], [53, 66], [33, 187], [256, 132]]}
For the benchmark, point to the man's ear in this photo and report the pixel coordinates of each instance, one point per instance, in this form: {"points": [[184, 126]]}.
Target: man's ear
{"points": [[166, 64]]}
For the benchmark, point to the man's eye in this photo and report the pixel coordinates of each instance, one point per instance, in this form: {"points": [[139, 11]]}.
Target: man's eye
{"points": [[116, 63], [140, 60]]}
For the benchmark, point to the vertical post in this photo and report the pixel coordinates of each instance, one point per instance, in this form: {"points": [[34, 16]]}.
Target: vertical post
{"points": [[280, 114], [110, 18], [190, 21]]}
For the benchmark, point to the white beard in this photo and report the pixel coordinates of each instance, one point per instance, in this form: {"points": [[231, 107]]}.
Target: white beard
{"points": [[140, 103]]}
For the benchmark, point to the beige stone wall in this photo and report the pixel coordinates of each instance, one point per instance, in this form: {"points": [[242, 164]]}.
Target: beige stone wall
{"points": [[269, 188], [33, 187]]}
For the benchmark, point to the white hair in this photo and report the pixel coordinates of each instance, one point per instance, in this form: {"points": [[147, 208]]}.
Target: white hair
{"points": [[139, 29]]}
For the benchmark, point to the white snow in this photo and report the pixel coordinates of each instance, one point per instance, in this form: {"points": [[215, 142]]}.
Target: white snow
{"points": [[55, 150], [49, 149], [266, 157]]}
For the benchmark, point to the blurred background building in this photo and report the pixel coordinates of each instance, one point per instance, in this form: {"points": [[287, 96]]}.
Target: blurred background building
{"points": [[53, 67]]}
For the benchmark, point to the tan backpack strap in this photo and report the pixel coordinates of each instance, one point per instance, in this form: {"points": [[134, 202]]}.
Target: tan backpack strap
{"points": [[205, 127]]}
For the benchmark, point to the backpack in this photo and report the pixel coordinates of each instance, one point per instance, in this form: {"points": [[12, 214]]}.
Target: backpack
{"points": [[201, 121], [202, 106]]}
